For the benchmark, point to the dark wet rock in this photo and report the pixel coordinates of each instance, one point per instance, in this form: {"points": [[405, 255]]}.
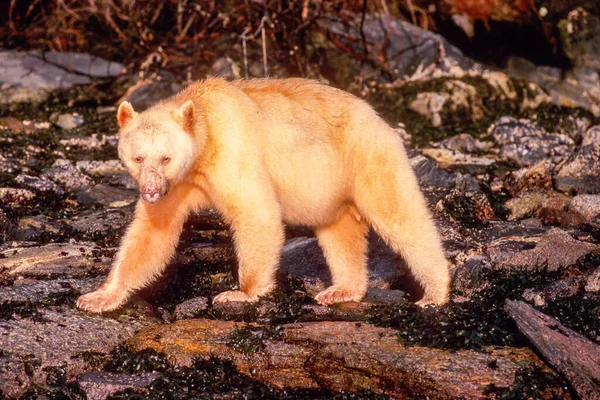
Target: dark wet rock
{"points": [[100, 385], [55, 259], [191, 308], [10, 165], [65, 174], [525, 143], [54, 292], [350, 311], [5, 224], [429, 174], [101, 223], [68, 121], [382, 296], [340, 356], [26, 76], [124, 180], [591, 137], [69, 340], [303, 259], [470, 208], [470, 278], [536, 177], [586, 205], [101, 168], [571, 353], [578, 87], [554, 250], [18, 197], [465, 143], [413, 51], [240, 311], [208, 253], [89, 196], [592, 282], [586, 184], [564, 288], [35, 228], [580, 173], [41, 184], [206, 220], [145, 93], [561, 217], [95, 141], [529, 203], [582, 163]]}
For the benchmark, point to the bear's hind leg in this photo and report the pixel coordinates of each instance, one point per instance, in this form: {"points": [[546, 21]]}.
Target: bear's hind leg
{"points": [[388, 196], [344, 244]]}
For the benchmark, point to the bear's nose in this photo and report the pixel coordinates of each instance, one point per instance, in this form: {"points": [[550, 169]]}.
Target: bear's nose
{"points": [[151, 195]]}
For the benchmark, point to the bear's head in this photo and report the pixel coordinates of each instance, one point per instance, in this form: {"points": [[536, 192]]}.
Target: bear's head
{"points": [[158, 146]]}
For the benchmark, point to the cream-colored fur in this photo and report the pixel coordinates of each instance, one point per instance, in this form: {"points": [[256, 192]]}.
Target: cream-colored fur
{"points": [[264, 152]]}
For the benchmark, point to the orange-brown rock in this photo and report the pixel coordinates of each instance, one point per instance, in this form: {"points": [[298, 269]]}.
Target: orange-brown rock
{"points": [[343, 356]]}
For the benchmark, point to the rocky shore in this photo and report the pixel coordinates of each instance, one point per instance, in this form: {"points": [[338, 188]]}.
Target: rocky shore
{"points": [[512, 176]]}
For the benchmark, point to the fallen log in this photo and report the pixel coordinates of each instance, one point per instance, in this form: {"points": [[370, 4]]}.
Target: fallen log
{"points": [[569, 352]]}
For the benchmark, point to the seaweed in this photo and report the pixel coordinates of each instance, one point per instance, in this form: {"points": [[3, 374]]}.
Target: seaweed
{"points": [[251, 339], [474, 324], [211, 378], [531, 383]]}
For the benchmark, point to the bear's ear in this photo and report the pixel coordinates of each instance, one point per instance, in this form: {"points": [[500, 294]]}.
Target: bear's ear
{"points": [[125, 113], [187, 115]]}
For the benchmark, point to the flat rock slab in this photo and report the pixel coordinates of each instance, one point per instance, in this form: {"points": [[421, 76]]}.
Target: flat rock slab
{"points": [[554, 250], [69, 259], [571, 353], [101, 385], [102, 222], [53, 70], [46, 291], [67, 339], [341, 356], [100, 194]]}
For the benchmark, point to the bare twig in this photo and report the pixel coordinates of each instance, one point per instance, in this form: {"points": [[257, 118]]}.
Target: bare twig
{"points": [[245, 38], [305, 7], [363, 39], [264, 44], [11, 9], [411, 9]]}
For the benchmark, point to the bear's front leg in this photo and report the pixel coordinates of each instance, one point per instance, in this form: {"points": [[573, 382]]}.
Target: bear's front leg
{"points": [[258, 236], [146, 249]]}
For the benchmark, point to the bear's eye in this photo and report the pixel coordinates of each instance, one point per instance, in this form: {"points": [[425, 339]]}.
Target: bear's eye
{"points": [[138, 159], [165, 160]]}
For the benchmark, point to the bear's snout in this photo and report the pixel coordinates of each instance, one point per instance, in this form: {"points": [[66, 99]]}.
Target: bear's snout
{"points": [[151, 195]]}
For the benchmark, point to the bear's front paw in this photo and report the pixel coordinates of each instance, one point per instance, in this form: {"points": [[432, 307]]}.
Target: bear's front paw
{"points": [[337, 294], [437, 298], [101, 300], [234, 295]]}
